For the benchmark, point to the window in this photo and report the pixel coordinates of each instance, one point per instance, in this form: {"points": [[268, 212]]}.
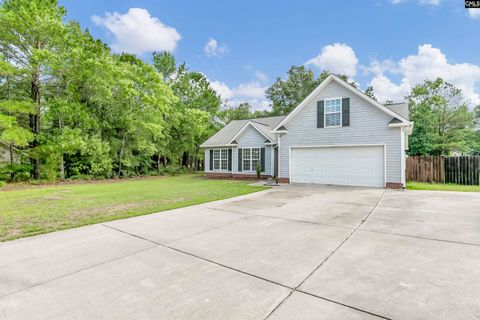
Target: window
{"points": [[220, 159], [251, 158], [333, 112]]}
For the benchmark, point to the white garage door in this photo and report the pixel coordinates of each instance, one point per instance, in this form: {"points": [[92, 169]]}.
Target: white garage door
{"points": [[350, 166]]}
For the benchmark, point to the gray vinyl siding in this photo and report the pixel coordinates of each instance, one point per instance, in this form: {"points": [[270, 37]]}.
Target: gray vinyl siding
{"points": [[251, 138], [368, 125]]}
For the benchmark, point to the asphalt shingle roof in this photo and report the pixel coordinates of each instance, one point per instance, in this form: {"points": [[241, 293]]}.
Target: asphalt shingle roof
{"points": [[227, 133], [399, 108]]}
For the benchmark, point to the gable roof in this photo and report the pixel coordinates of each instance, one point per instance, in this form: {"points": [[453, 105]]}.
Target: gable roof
{"points": [[228, 134], [324, 84]]}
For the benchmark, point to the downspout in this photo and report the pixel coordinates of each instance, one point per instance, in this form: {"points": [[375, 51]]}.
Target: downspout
{"points": [[278, 146], [272, 159], [403, 157]]}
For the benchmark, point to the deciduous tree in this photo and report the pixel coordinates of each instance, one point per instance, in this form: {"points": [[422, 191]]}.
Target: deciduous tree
{"points": [[443, 121]]}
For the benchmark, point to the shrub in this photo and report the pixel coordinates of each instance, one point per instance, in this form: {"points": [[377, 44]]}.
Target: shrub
{"points": [[172, 170], [81, 176], [15, 172], [259, 170]]}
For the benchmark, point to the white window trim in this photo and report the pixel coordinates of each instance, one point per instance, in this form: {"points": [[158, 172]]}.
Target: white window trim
{"points": [[252, 169], [219, 159], [325, 113]]}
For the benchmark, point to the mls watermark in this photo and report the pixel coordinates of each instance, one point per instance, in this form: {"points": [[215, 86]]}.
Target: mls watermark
{"points": [[470, 4]]}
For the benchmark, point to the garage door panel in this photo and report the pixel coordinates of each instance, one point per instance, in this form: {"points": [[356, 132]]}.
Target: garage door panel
{"points": [[355, 166]]}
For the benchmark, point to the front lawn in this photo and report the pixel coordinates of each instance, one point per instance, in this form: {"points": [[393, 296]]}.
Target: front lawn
{"points": [[441, 187], [35, 210]]}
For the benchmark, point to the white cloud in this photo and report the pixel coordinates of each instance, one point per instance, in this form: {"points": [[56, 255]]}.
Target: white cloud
{"points": [[473, 13], [214, 49], [379, 67], [222, 90], [337, 58], [260, 75], [257, 104], [428, 63], [385, 89], [251, 92], [137, 31]]}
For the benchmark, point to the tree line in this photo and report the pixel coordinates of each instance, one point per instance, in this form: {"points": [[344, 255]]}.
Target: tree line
{"points": [[70, 108]]}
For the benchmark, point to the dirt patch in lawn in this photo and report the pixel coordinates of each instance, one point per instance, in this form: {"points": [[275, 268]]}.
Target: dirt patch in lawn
{"points": [[48, 184], [105, 211]]}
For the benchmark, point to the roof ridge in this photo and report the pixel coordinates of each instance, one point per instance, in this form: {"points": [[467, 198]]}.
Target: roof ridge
{"points": [[263, 124]]}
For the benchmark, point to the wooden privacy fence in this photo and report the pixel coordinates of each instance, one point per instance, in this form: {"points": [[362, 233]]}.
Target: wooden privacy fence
{"points": [[460, 170]]}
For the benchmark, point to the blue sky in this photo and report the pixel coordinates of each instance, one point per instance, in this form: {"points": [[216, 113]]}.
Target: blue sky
{"points": [[243, 46]]}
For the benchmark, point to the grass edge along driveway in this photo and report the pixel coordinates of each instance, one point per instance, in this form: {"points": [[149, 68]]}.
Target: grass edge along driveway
{"points": [[37, 210], [441, 187]]}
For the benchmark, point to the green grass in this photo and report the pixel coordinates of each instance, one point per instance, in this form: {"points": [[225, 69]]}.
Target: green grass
{"points": [[441, 187], [36, 210]]}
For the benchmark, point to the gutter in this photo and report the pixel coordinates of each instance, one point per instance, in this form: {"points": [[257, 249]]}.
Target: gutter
{"points": [[220, 146]]}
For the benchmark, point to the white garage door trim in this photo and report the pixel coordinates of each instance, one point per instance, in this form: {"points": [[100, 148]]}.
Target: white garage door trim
{"points": [[339, 146]]}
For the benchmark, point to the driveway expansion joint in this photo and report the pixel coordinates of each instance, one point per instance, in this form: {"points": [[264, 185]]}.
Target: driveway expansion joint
{"points": [[292, 289], [280, 218], [164, 245], [76, 271], [325, 260], [420, 237], [343, 304]]}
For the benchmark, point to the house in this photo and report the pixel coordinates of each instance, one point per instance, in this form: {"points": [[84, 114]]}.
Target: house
{"points": [[337, 135]]}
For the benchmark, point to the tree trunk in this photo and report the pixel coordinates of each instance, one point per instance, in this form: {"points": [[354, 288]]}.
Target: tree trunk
{"points": [[12, 159], [62, 169], [185, 159], [120, 157], [35, 121], [62, 164], [158, 162], [196, 165]]}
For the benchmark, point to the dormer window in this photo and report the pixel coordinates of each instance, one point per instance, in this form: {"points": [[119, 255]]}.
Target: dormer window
{"points": [[333, 112]]}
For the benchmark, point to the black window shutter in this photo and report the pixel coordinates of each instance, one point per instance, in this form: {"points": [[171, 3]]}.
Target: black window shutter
{"points": [[262, 159], [239, 159], [229, 159], [345, 112], [211, 159], [320, 113]]}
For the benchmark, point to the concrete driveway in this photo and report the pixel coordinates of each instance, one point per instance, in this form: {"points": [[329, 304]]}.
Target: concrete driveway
{"points": [[292, 252]]}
